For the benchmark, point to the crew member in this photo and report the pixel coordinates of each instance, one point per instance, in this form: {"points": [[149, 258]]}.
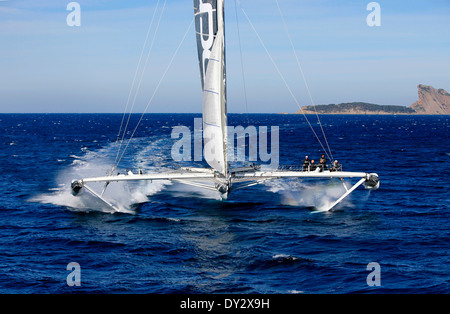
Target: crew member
{"points": [[336, 166], [323, 163], [306, 163], [312, 166]]}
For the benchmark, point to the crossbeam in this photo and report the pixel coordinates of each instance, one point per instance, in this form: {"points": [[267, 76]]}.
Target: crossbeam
{"points": [[149, 177], [300, 174], [253, 177]]}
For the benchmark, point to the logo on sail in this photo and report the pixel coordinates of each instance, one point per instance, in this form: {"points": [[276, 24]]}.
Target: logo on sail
{"points": [[206, 28]]}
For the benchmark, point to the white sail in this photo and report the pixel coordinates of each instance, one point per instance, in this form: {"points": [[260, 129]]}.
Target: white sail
{"points": [[211, 50], [214, 111]]}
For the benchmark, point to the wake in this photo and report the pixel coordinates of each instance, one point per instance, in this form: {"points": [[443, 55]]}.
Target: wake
{"points": [[124, 195], [148, 154], [318, 195]]}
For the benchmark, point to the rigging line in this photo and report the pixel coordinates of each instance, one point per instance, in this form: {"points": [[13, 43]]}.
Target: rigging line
{"points": [[136, 72], [283, 79], [140, 82], [157, 87], [132, 87], [242, 60], [303, 76]]}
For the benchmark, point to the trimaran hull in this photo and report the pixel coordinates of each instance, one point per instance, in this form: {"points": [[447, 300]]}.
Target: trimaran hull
{"points": [[235, 180], [209, 25]]}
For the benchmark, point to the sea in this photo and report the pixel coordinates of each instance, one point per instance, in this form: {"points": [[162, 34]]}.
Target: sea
{"points": [[272, 238]]}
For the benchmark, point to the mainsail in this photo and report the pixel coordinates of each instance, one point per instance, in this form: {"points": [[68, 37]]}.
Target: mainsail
{"points": [[209, 26]]}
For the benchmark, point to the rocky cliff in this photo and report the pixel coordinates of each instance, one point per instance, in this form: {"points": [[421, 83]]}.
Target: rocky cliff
{"points": [[356, 108], [432, 101]]}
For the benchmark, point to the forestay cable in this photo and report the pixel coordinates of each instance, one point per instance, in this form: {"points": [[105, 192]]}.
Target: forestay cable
{"points": [[156, 89], [117, 160], [242, 60], [119, 138], [283, 79], [303, 76]]}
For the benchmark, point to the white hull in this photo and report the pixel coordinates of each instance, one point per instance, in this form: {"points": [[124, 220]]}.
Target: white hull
{"points": [[213, 180]]}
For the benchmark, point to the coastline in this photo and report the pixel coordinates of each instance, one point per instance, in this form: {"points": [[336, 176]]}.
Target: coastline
{"points": [[363, 113]]}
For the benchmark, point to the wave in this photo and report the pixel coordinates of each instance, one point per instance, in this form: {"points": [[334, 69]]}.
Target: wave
{"points": [[316, 195], [283, 261], [98, 163]]}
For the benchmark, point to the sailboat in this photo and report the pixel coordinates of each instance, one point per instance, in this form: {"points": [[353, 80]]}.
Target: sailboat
{"points": [[219, 176]]}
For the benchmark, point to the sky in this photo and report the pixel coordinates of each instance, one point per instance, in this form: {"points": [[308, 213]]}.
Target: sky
{"points": [[48, 66]]}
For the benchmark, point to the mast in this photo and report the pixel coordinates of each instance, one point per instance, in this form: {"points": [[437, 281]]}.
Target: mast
{"points": [[221, 14], [210, 33]]}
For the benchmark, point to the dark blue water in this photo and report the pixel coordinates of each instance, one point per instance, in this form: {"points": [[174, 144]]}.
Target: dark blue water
{"points": [[261, 240]]}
